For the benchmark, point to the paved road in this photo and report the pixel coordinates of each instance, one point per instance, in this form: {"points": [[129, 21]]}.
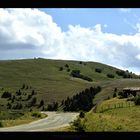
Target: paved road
{"points": [[53, 121]]}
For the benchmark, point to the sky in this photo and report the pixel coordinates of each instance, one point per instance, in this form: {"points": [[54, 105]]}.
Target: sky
{"points": [[106, 35]]}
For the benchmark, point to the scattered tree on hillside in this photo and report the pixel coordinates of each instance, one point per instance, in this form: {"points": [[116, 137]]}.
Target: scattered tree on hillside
{"points": [[76, 73], [114, 95], [68, 70], [137, 100], [61, 68], [53, 106], [41, 103], [99, 70], [23, 86], [18, 93], [110, 75], [6, 94], [34, 100], [67, 66]]}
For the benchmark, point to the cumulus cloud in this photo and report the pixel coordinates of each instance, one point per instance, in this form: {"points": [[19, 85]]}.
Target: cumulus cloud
{"points": [[26, 33]]}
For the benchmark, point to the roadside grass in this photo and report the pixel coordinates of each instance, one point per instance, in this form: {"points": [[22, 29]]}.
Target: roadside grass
{"points": [[113, 104], [24, 119], [123, 119]]}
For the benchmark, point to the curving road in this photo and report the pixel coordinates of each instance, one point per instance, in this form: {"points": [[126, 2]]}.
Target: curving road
{"points": [[53, 121]]}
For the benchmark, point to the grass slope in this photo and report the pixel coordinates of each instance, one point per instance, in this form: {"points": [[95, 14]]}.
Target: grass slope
{"points": [[44, 77], [124, 118]]}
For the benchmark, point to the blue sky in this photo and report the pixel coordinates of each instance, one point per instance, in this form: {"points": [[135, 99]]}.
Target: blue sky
{"points": [[110, 36], [113, 20]]}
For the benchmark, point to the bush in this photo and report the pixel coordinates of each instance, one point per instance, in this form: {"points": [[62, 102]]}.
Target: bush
{"points": [[110, 75], [61, 68], [78, 126], [23, 86], [18, 93], [75, 73], [1, 125], [6, 95], [98, 70], [82, 114], [114, 95], [137, 100], [68, 70], [36, 114], [66, 65], [41, 103]]}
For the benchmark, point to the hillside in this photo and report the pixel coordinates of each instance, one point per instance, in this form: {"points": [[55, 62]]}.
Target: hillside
{"points": [[52, 84]]}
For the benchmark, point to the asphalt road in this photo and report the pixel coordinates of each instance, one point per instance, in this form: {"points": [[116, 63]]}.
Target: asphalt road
{"points": [[53, 121]]}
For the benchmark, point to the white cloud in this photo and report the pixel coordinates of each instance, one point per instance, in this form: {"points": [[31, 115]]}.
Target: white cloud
{"points": [[125, 10], [28, 33]]}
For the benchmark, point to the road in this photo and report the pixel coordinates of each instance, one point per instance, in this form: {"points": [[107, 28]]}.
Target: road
{"points": [[53, 121]]}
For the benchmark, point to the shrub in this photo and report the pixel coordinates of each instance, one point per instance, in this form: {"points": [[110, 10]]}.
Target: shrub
{"points": [[110, 75], [78, 126], [6, 95], [66, 65], [68, 70], [137, 100], [18, 93], [99, 70], [82, 114], [36, 114], [80, 62], [114, 95], [75, 73], [1, 125], [61, 68], [23, 86], [41, 103]]}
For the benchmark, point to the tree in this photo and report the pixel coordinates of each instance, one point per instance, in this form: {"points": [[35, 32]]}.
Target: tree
{"points": [[33, 102], [82, 114], [41, 103], [99, 70], [68, 70], [78, 125], [6, 95], [137, 100], [23, 86], [75, 73], [61, 68], [115, 90], [18, 93], [110, 75], [33, 92], [114, 95], [9, 105], [29, 97], [66, 65]]}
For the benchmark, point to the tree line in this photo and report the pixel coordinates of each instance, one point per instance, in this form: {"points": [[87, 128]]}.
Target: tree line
{"points": [[81, 101]]}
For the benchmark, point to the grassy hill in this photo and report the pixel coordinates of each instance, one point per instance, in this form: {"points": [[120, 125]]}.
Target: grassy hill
{"points": [[52, 84]]}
